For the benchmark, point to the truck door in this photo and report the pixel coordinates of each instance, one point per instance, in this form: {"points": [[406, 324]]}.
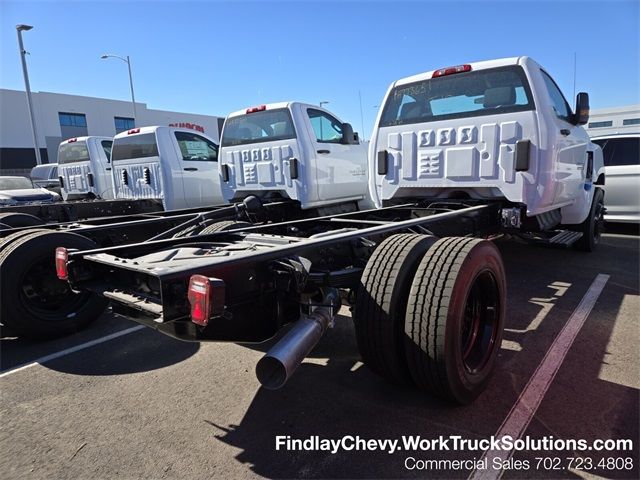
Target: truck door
{"points": [[104, 177], [340, 168], [570, 142], [198, 159]]}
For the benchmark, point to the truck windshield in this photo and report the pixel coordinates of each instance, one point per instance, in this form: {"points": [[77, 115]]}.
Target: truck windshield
{"points": [[264, 126], [134, 146], [73, 152], [469, 94], [14, 183]]}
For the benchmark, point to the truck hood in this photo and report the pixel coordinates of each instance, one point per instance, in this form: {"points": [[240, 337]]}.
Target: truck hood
{"points": [[27, 195]]}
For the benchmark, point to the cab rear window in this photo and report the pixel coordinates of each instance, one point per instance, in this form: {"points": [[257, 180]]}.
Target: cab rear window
{"points": [[468, 94], [263, 126], [73, 152], [134, 146]]}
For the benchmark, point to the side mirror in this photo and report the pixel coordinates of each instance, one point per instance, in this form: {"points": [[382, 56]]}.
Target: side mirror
{"points": [[348, 136], [582, 109]]}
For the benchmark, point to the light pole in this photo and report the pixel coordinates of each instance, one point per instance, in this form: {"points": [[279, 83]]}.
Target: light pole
{"points": [[128, 62], [23, 28]]}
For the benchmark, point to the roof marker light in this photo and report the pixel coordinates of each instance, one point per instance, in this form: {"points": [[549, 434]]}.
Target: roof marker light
{"points": [[133, 130], [451, 70], [256, 109], [71, 140]]}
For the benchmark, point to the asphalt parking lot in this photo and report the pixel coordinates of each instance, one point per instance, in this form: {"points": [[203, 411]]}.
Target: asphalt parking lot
{"points": [[142, 405]]}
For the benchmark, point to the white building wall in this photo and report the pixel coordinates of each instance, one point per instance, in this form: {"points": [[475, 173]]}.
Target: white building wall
{"points": [[617, 117], [15, 128]]}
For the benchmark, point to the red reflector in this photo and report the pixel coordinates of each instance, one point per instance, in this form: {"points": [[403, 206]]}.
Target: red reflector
{"points": [[200, 299], [256, 109], [133, 130], [451, 70], [71, 140], [61, 263]]}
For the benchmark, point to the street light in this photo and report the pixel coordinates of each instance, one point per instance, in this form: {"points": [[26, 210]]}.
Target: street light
{"points": [[24, 28], [128, 62]]}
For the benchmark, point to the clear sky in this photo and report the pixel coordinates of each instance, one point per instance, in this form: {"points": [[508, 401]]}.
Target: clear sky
{"points": [[214, 57]]}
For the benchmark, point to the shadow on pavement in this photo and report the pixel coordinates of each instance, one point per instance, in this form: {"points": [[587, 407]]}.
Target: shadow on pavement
{"points": [[338, 397]]}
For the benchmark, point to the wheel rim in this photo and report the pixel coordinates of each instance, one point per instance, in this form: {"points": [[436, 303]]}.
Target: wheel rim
{"points": [[598, 221], [480, 322], [46, 296]]}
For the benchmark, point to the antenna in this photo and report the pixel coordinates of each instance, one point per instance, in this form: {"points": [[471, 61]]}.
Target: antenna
{"points": [[361, 115], [575, 62]]}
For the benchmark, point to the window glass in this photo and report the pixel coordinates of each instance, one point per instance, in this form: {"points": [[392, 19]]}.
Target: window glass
{"points": [[15, 183], [326, 127], [195, 147], [620, 151], [558, 102], [600, 124], [72, 119], [468, 94], [73, 152], [106, 146], [134, 146], [123, 123], [631, 121], [264, 126]]}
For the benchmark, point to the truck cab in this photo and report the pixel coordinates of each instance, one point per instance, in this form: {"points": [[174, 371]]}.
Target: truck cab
{"points": [[498, 129], [84, 168], [175, 166], [292, 150]]}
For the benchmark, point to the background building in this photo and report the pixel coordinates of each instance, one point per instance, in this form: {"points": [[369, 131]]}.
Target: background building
{"points": [[607, 121], [60, 116]]}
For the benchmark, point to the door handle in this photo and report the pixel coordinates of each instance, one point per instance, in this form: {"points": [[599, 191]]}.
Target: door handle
{"points": [[191, 169], [324, 151], [108, 169], [565, 131]]}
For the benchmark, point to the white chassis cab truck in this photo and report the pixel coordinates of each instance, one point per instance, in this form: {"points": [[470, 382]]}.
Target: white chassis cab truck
{"points": [[175, 166], [498, 129], [84, 168], [295, 151], [459, 156]]}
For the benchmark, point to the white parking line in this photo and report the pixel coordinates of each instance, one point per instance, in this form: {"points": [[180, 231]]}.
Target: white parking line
{"points": [[527, 404], [62, 353]]}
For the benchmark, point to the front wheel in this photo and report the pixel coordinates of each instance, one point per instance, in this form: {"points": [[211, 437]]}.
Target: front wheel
{"points": [[593, 226], [455, 318]]}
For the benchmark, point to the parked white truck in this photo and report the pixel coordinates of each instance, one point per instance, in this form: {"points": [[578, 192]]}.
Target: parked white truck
{"points": [[295, 151], [175, 166], [498, 129], [84, 168], [459, 155]]}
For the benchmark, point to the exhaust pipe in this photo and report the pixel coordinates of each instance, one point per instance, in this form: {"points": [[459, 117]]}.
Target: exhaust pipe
{"points": [[276, 367]]}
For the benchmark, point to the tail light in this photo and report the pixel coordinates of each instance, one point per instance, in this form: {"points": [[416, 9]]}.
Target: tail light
{"points": [[206, 297], [256, 109], [451, 70], [132, 131], [90, 179], [61, 180], [62, 255]]}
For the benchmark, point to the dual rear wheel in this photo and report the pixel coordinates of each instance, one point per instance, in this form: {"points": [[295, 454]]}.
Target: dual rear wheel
{"points": [[431, 312]]}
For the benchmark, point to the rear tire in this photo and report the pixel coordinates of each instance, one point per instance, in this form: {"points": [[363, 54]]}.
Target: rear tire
{"points": [[34, 302], [593, 226], [16, 220], [224, 226], [455, 318], [381, 303]]}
